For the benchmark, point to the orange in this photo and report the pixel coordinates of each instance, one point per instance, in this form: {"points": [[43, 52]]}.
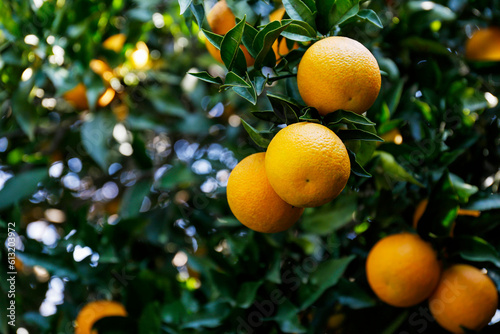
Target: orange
{"points": [[77, 97], [221, 20], [280, 48], [254, 202], [402, 269], [465, 296], [94, 311], [307, 164], [484, 45], [338, 73]]}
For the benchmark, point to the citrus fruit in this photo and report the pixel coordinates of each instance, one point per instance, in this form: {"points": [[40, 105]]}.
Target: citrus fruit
{"points": [[465, 296], [94, 311], [307, 164], [254, 202], [338, 73], [77, 97], [402, 269], [221, 20], [484, 45], [280, 47]]}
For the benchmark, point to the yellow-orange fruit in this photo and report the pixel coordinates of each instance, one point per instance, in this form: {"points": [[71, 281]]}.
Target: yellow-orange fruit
{"points": [[254, 202], [402, 269], [465, 296], [484, 45], [338, 73], [307, 164]]}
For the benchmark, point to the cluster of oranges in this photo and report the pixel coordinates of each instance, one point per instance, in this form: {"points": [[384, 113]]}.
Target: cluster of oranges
{"points": [[306, 164], [403, 270]]}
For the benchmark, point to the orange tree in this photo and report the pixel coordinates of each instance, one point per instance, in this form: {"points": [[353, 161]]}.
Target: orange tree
{"points": [[115, 156]]}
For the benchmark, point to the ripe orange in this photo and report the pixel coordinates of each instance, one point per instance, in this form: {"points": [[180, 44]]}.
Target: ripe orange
{"points": [[77, 97], [465, 296], [280, 48], [338, 73], [484, 45], [402, 269], [221, 20], [94, 311], [254, 202], [115, 42], [307, 164]]}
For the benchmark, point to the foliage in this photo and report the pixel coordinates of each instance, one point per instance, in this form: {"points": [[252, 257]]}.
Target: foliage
{"points": [[126, 201]]}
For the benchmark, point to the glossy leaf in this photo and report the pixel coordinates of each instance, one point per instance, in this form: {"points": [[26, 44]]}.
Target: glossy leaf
{"points": [[21, 186], [255, 135]]}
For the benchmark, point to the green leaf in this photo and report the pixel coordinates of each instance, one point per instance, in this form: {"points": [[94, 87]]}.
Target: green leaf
{"points": [[264, 42], [23, 107], [21, 186], [255, 135], [310, 115], [214, 39], [341, 11], [207, 77], [442, 210], [358, 134], [473, 248], [95, 133], [246, 294], [210, 316], [287, 318], [370, 16], [133, 198], [150, 320], [330, 218], [390, 168], [463, 190], [352, 295], [344, 116], [231, 53], [184, 4], [249, 35], [356, 167], [491, 202], [177, 176], [298, 10], [248, 94], [267, 115], [199, 13], [234, 80], [396, 323], [299, 31], [325, 276], [284, 108], [58, 266]]}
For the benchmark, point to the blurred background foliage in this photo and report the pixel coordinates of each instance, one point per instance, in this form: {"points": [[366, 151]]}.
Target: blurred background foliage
{"points": [[114, 162]]}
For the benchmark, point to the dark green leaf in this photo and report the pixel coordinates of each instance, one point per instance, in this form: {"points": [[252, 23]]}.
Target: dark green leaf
{"points": [[310, 115], [207, 77], [263, 43], [246, 294], [370, 16], [299, 31], [284, 108], [178, 175], [442, 210], [150, 320], [473, 248], [255, 135], [234, 80], [353, 296], [344, 116], [231, 53], [341, 11], [392, 169], [268, 116], [95, 133], [287, 318], [214, 39], [358, 134], [491, 202], [133, 199], [356, 168], [24, 109], [298, 10], [21, 186], [248, 94], [331, 218], [463, 190]]}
